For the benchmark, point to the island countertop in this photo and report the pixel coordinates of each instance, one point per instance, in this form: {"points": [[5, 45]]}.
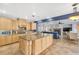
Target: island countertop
{"points": [[32, 36]]}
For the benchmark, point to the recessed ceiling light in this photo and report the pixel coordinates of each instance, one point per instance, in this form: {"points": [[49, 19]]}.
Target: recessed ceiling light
{"points": [[2, 11]]}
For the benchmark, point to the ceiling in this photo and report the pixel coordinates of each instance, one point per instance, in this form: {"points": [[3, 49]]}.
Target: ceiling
{"points": [[40, 10]]}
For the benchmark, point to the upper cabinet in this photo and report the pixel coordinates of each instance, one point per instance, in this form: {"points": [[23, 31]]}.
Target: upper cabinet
{"points": [[8, 24], [23, 23], [28, 25], [33, 26], [12, 24]]}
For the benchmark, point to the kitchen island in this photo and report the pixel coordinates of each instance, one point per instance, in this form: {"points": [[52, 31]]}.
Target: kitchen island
{"points": [[34, 44]]}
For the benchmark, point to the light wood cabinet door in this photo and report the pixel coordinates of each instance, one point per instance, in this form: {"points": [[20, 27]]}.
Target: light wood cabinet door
{"points": [[33, 26], [14, 25], [21, 22], [8, 39], [15, 38], [51, 39], [44, 44], [24, 46], [2, 40], [5, 24], [8, 24], [28, 26], [48, 40], [38, 46]]}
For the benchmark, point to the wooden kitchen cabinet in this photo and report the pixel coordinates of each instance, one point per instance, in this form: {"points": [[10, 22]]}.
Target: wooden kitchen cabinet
{"points": [[8, 39], [44, 44], [15, 38], [5, 24], [5, 40], [9, 24], [38, 46], [28, 26], [2, 40], [34, 44], [12, 24], [11, 39], [25, 47], [21, 22], [50, 41], [33, 26]]}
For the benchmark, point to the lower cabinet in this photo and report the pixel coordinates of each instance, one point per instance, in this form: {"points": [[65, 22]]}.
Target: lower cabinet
{"points": [[36, 46], [25, 47], [2, 40], [8, 39], [22, 46], [44, 44], [15, 38]]}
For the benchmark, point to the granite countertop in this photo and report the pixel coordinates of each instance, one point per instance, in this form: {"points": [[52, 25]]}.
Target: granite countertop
{"points": [[31, 37]]}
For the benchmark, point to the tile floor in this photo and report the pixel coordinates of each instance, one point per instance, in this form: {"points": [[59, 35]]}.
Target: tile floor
{"points": [[63, 47], [59, 47]]}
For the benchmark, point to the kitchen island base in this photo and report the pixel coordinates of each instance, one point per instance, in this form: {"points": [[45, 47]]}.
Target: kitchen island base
{"points": [[33, 45]]}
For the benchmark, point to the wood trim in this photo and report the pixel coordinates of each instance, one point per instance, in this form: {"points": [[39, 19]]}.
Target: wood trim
{"points": [[9, 44]]}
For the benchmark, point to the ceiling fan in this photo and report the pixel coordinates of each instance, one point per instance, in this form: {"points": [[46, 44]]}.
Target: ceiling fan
{"points": [[74, 7], [74, 4]]}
